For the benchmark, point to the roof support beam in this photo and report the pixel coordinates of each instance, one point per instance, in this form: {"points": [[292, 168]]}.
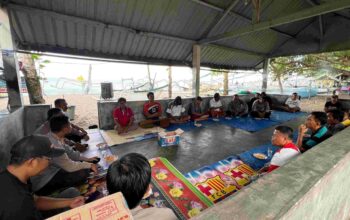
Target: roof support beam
{"points": [[237, 15], [301, 15], [320, 20], [220, 18]]}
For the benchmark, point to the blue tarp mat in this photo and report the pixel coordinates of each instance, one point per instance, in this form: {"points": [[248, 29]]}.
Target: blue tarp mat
{"points": [[248, 123], [255, 163], [285, 116]]}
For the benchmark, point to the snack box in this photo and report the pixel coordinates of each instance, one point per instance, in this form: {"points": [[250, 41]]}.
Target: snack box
{"points": [[170, 138]]}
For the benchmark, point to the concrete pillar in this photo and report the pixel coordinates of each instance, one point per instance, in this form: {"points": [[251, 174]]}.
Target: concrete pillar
{"points": [[264, 75], [196, 64], [9, 58]]}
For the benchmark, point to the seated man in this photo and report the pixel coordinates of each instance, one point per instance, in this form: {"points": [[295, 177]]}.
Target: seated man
{"points": [[315, 123], [292, 104], [216, 109], [44, 129], [77, 133], [252, 100], [260, 108], [29, 157], [333, 104], [176, 112], [122, 176], [237, 108], [196, 112], [152, 111], [283, 137], [334, 119], [123, 118], [69, 169]]}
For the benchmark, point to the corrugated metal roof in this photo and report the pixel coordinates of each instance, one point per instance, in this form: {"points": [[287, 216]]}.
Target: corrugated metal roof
{"points": [[163, 31]]}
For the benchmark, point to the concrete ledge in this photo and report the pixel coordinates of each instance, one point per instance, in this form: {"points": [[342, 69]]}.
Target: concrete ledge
{"points": [[105, 108], [314, 185]]}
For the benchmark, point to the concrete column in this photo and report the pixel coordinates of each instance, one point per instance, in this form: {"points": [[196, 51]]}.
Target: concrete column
{"points": [[196, 64], [264, 75], [9, 58]]}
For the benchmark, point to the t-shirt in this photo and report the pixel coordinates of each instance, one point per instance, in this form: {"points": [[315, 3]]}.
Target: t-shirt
{"points": [[346, 123], [215, 104], [320, 135], [333, 106], [123, 116], [16, 200], [293, 103], [283, 156], [152, 107], [175, 110]]}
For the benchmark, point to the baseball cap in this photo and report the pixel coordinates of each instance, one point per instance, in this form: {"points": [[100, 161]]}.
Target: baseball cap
{"points": [[33, 146]]}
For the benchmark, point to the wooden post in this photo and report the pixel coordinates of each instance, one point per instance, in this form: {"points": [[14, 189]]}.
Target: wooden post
{"points": [[196, 64]]}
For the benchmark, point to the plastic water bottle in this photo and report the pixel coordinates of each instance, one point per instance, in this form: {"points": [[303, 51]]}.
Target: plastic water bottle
{"points": [[269, 153]]}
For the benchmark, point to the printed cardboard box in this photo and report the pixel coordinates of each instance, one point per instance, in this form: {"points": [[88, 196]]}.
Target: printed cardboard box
{"points": [[110, 207], [170, 138]]}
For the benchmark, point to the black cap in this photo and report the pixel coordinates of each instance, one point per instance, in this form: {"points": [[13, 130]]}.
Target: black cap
{"points": [[34, 146]]}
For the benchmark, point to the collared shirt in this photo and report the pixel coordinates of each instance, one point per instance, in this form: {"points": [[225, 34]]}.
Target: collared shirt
{"points": [[123, 117], [317, 137], [260, 106], [238, 106], [194, 108], [283, 156], [293, 103], [16, 200]]}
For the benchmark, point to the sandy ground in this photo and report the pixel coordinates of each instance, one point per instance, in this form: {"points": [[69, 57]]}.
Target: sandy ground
{"points": [[86, 106]]}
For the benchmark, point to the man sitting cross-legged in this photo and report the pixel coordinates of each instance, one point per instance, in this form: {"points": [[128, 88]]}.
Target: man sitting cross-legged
{"points": [[260, 108], [131, 175], [292, 104], [69, 169], [30, 156], [124, 118], [237, 108], [152, 111], [176, 112], [216, 108], [196, 112]]}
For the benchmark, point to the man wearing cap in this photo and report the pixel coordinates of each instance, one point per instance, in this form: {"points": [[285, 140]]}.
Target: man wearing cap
{"points": [[29, 157]]}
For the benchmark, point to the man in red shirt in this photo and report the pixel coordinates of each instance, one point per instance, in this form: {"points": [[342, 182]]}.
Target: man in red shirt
{"points": [[152, 111], [123, 117], [282, 137]]}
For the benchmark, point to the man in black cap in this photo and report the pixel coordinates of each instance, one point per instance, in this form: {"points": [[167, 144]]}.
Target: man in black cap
{"points": [[29, 157]]}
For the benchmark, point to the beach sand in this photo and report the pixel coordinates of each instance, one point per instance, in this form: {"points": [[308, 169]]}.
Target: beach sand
{"points": [[86, 106]]}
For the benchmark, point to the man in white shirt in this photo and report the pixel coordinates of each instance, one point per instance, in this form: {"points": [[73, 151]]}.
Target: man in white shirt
{"points": [[215, 106], [292, 104], [176, 111]]}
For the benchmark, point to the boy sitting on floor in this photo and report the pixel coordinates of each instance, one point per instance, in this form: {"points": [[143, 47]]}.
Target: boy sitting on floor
{"points": [[152, 111], [196, 112], [283, 137], [215, 106], [176, 112], [122, 176], [123, 118]]}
